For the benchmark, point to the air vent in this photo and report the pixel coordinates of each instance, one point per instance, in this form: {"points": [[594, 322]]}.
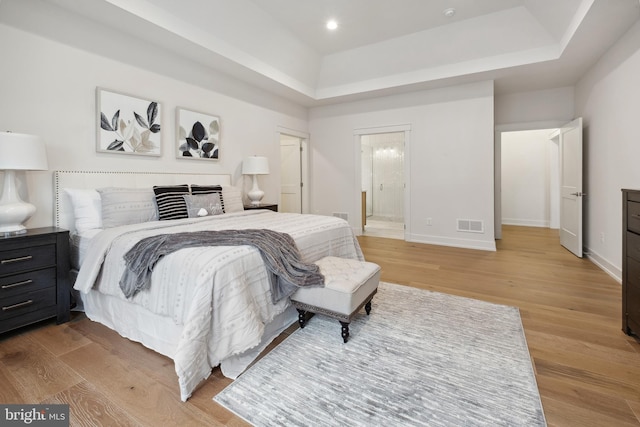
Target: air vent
{"points": [[343, 215], [471, 225]]}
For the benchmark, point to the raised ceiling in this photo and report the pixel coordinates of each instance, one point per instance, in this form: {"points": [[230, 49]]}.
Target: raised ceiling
{"points": [[380, 46], [366, 22]]}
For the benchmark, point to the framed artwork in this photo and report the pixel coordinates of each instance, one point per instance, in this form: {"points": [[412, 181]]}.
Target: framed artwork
{"points": [[198, 135], [128, 124]]}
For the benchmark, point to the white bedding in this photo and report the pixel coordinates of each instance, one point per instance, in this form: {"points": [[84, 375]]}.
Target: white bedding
{"points": [[218, 297]]}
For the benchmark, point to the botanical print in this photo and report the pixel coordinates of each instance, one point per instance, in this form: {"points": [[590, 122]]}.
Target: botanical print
{"points": [[198, 135], [128, 124]]}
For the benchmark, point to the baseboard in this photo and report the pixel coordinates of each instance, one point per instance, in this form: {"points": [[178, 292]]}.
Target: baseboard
{"points": [[453, 242], [604, 264], [526, 222]]}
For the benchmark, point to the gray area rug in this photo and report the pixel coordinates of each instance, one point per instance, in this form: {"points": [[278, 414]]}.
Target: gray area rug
{"points": [[421, 358]]}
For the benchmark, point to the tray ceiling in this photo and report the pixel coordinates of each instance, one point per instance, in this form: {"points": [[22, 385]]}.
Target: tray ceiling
{"points": [[379, 47]]}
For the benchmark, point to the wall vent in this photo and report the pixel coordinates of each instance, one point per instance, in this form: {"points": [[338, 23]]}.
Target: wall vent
{"points": [[471, 225], [343, 215]]}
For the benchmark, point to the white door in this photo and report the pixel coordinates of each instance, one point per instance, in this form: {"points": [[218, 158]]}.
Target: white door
{"points": [[571, 186], [290, 174]]}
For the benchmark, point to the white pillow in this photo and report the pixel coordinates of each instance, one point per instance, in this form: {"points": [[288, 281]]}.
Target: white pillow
{"points": [[87, 208], [232, 197]]}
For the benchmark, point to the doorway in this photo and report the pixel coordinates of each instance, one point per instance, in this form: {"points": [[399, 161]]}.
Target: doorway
{"points": [[530, 179], [565, 191], [293, 171], [382, 183]]}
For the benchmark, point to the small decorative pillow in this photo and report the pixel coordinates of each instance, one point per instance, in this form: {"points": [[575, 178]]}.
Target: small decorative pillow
{"points": [[232, 197], [87, 208], [209, 189], [171, 204], [124, 206], [203, 204]]}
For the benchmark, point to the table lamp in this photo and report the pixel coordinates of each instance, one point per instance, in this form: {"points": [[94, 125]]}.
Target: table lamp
{"points": [[255, 166], [18, 151]]}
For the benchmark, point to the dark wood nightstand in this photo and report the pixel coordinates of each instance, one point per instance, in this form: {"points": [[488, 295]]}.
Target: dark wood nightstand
{"points": [[34, 277], [270, 206]]}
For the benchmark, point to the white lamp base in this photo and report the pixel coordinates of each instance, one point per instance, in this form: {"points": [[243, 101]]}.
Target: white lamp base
{"points": [[13, 211], [255, 194]]}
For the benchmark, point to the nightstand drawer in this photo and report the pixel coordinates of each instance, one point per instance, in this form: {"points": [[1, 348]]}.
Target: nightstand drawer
{"points": [[27, 282], [633, 216], [633, 272], [633, 245], [23, 259], [27, 302]]}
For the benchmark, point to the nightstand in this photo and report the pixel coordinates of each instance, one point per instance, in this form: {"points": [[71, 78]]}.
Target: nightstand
{"points": [[34, 277], [270, 206]]}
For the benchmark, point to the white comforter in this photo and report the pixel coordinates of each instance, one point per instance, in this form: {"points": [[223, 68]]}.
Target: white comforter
{"points": [[219, 295]]}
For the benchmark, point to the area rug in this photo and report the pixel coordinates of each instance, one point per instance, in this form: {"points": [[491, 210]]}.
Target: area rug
{"points": [[421, 358]]}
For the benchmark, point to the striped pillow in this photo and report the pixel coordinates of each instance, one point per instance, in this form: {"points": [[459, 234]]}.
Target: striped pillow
{"points": [[171, 204], [208, 189]]}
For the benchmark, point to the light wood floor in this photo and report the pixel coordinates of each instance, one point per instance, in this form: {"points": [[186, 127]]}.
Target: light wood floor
{"points": [[588, 371]]}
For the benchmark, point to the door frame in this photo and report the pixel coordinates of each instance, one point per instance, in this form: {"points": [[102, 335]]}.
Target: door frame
{"points": [[497, 163], [357, 196], [304, 161]]}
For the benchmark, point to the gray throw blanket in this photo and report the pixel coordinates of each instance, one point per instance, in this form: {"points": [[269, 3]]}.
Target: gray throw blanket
{"points": [[278, 250]]}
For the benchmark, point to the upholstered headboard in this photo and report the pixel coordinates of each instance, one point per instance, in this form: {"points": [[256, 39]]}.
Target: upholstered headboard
{"points": [[63, 210]]}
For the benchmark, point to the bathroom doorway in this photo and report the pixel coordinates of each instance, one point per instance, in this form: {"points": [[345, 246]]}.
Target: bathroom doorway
{"points": [[383, 184]]}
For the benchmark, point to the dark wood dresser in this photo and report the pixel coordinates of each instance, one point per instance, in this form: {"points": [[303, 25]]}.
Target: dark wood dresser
{"points": [[34, 277], [270, 206], [631, 261]]}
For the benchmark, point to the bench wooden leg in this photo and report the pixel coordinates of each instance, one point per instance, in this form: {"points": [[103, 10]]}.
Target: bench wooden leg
{"points": [[302, 317], [345, 331], [367, 307]]}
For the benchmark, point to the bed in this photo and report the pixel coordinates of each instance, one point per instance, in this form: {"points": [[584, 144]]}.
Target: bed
{"points": [[206, 306]]}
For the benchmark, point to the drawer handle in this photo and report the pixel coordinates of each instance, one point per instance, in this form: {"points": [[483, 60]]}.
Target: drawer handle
{"points": [[18, 305], [22, 258], [13, 285], [635, 215]]}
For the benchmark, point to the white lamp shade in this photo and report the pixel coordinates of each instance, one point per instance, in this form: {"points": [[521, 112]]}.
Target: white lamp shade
{"points": [[19, 151], [255, 165]]}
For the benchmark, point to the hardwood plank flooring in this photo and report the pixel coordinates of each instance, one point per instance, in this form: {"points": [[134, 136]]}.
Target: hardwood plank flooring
{"points": [[588, 371]]}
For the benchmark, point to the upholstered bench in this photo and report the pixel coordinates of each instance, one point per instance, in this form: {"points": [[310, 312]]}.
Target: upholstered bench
{"points": [[348, 286]]}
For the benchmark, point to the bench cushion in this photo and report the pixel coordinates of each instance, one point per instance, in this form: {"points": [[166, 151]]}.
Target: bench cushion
{"points": [[348, 283]]}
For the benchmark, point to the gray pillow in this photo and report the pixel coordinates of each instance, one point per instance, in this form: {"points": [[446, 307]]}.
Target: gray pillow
{"points": [[203, 204], [124, 206]]}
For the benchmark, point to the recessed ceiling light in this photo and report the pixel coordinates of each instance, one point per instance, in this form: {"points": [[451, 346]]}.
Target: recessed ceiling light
{"points": [[332, 24], [449, 12]]}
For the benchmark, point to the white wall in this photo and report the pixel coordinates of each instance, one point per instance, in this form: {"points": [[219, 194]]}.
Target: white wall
{"points": [[48, 88], [526, 178], [608, 99], [535, 110], [449, 155]]}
